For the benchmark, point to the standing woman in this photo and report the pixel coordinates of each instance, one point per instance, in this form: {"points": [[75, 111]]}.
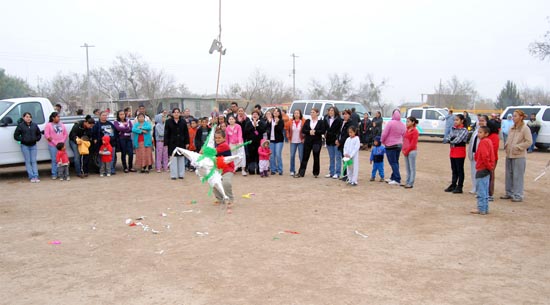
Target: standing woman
{"points": [[253, 131], [410, 141], [28, 134], [342, 137], [176, 134], [124, 127], [519, 140], [333, 122], [365, 131], [392, 139], [296, 138], [143, 143], [275, 135], [457, 139], [377, 122], [234, 137], [55, 132], [79, 130], [105, 128], [472, 148], [313, 131]]}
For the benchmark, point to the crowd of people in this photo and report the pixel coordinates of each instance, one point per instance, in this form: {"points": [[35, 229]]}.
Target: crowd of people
{"points": [[147, 144]]}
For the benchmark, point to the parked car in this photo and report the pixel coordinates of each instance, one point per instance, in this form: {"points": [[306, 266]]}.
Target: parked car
{"points": [[543, 116], [323, 106]]}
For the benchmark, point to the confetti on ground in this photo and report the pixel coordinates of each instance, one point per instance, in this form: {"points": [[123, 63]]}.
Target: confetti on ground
{"points": [[291, 232], [201, 233], [361, 234], [54, 242]]}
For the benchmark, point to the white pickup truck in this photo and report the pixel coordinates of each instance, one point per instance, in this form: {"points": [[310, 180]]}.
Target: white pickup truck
{"points": [[11, 111]]}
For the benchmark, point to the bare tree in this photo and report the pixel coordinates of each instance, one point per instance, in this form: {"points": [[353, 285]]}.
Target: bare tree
{"points": [[339, 87], [155, 85], [68, 89], [370, 94], [455, 94], [535, 96], [541, 49]]}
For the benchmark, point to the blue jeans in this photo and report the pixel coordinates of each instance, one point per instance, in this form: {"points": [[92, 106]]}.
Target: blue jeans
{"points": [[76, 158], [53, 155], [113, 163], [532, 147], [335, 160], [276, 158], [29, 153], [293, 148], [377, 167], [482, 188], [393, 160], [410, 164]]}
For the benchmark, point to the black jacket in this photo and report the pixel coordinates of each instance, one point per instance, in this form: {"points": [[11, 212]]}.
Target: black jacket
{"points": [[344, 134], [320, 130], [79, 130], [279, 131], [254, 133], [333, 130], [176, 134], [27, 134]]}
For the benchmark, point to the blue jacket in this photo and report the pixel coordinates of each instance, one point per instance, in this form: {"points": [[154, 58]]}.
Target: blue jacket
{"points": [[377, 153], [147, 137]]}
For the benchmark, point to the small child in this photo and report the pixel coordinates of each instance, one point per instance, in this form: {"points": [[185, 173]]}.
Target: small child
{"points": [[193, 128], [377, 156], [202, 134], [264, 153], [84, 151], [485, 163], [351, 152], [106, 152], [223, 150], [62, 162]]}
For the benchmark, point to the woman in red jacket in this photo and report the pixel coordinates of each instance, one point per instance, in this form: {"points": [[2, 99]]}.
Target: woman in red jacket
{"points": [[410, 141]]}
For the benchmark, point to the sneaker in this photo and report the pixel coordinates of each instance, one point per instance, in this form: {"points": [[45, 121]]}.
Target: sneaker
{"points": [[101, 175], [472, 192], [506, 197], [108, 175], [372, 179], [328, 175], [381, 180], [353, 183], [158, 171], [36, 180], [335, 176], [33, 180], [393, 182], [245, 173], [68, 178], [517, 199], [54, 177], [292, 173], [408, 186]]}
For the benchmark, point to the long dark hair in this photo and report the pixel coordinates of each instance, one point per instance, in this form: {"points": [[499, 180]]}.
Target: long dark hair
{"points": [[461, 117], [118, 116], [52, 116]]}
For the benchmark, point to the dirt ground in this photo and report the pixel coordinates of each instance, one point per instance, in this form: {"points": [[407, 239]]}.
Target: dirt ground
{"points": [[423, 247]]}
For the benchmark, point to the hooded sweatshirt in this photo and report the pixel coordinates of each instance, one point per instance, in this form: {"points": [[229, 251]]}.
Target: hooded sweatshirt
{"points": [[106, 150], [393, 132], [264, 152], [224, 150]]}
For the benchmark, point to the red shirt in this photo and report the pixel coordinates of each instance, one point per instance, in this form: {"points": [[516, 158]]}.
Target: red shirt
{"points": [[496, 143], [410, 140], [485, 156], [224, 150], [61, 157], [192, 134]]}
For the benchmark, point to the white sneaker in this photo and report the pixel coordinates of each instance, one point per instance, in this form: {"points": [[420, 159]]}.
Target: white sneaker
{"points": [[68, 178], [101, 175], [108, 175], [335, 176], [388, 180], [393, 182], [244, 173], [292, 173], [328, 176]]}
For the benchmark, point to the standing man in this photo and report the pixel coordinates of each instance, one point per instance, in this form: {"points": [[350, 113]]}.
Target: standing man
{"points": [[449, 121], [58, 108], [505, 127], [232, 111], [355, 119], [534, 127]]}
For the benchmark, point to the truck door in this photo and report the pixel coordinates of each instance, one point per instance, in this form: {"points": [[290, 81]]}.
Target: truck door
{"points": [[10, 149], [437, 126], [419, 115]]}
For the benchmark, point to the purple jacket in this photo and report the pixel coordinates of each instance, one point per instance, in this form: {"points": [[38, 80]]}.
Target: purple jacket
{"points": [[124, 131], [393, 132]]}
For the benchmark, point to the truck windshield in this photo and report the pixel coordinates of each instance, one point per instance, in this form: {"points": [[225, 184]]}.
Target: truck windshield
{"points": [[3, 106], [359, 108]]}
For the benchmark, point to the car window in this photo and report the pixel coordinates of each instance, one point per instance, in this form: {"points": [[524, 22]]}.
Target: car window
{"points": [[432, 115], [417, 113], [527, 110], [308, 108], [546, 115], [300, 106], [34, 108]]}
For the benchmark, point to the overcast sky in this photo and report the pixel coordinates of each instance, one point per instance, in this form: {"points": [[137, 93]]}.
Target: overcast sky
{"points": [[412, 44]]}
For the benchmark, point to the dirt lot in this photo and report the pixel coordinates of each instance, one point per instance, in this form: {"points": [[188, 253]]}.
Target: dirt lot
{"points": [[423, 247]]}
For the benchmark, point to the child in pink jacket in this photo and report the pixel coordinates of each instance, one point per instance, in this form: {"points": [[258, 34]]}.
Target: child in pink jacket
{"points": [[264, 153]]}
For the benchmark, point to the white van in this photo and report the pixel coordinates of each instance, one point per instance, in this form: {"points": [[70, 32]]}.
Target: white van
{"points": [[323, 106], [431, 120], [543, 116]]}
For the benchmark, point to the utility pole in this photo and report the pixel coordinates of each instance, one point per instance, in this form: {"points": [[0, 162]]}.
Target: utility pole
{"points": [[294, 75], [88, 98]]}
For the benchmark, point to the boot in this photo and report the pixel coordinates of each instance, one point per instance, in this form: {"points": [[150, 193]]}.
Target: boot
{"points": [[450, 188], [457, 190], [262, 174], [266, 173]]}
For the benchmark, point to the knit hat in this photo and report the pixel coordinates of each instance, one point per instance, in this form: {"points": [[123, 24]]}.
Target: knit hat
{"points": [[377, 139]]}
